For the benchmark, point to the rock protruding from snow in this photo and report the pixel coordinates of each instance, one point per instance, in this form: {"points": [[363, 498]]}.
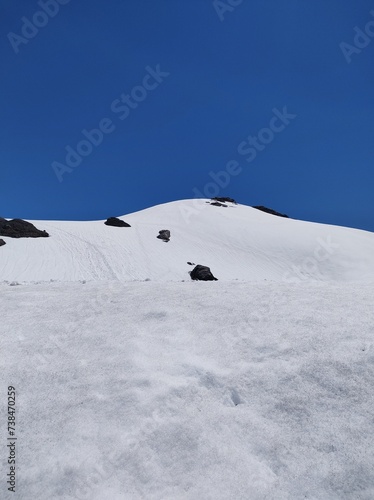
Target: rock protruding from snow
{"points": [[2, 242], [224, 200], [270, 211], [202, 273], [164, 235], [218, 204], [114, 221], [18, 228]]}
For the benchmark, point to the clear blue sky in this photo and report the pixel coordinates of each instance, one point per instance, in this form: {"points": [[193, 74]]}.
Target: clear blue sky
{"points": [[225, 78]]}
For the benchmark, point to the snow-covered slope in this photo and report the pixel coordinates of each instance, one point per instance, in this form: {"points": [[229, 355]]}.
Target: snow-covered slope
{"points": [[189, 391], [237, 243], [134, 385]]}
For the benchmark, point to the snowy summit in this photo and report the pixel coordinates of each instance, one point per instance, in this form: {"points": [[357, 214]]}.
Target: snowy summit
{"points": [[237, 242]]}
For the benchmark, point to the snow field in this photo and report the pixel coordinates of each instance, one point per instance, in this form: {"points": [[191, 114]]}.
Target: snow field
{"points": [[191, 390]]}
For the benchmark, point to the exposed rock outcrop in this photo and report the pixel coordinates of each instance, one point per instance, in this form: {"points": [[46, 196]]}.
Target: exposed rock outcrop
{"points": [[224, 200], [270, 211], [164, 235], [114, 221], [2, 242], [202, 273], [18, 228], [218, 204]]}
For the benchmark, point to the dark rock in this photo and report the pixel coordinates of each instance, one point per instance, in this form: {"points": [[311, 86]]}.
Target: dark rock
{"points": [[2, 242], [191, 264], [270, 211], [202, 273], [114, 221], [164, 235], [224, 200], [18, 228], [217, 204]]}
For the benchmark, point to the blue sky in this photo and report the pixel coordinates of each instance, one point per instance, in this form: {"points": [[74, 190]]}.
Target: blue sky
{"points": [[223, 73]]}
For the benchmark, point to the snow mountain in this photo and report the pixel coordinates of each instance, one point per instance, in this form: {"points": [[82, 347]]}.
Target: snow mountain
{"points": [[237, 242], [133, 382]]}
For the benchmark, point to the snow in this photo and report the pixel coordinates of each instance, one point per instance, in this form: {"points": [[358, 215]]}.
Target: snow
{"points": [[257, 386], [237, 242]]}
